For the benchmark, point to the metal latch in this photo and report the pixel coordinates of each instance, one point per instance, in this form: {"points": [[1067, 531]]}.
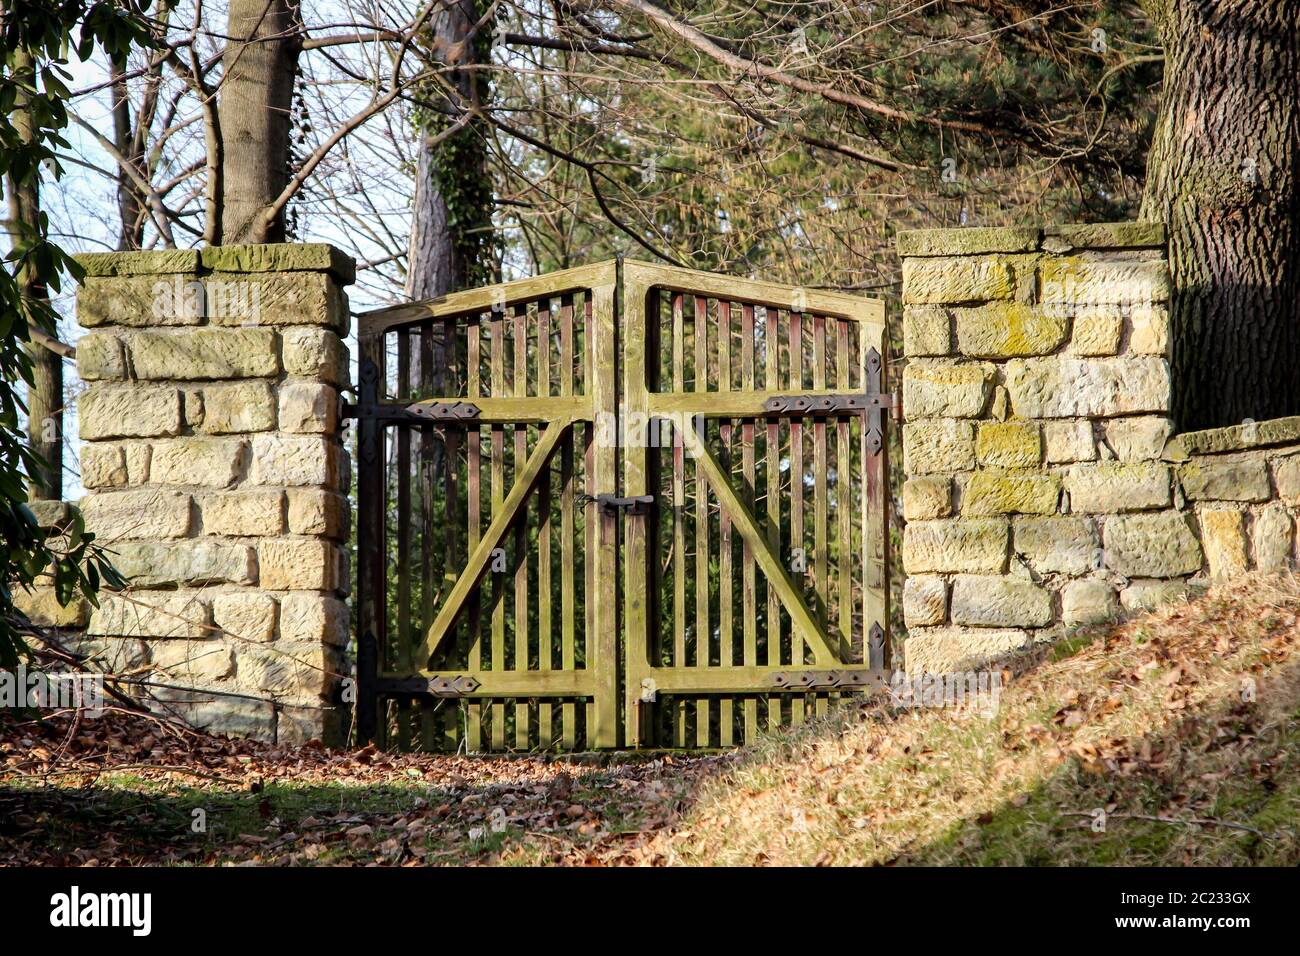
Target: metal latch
{"points": [[633, 504]]}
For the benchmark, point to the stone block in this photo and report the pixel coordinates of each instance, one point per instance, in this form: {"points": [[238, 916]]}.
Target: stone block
{"points": [[1226, 479], [1149, 330], [955, 545], [947, 445], [316, 354], [206, 353], [1062, 387], [312, 511], [1272, 534], [100, 357], [42, 607], [1097, 330], [281, 257], [140, 301], [1111, 487], [952, 280], [1156, 545], [924, 498], [1068, 441], [297, 564], [1138, 439], [152, 614], [128, 411], [1286, 472], [238, 407], [201, 662], [243, 513], [1223, 535], [114, 516], [1075, 281], [988, 601], [1088, 602], [295, 460], [103, 466], [970, 240], [1058, 545], [947, 390], [1007, 330], [1149, 595], [309, 407], [308, 617], [298, 672], [995, 493], [245, 615], [1008, 445], [205, 462], [192, 562], [927, 330], [951, 650], [925, 601]]}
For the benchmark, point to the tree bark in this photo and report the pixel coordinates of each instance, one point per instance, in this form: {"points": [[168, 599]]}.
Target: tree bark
{"points": [[260, 64], [45, 396], [130, 205], [1222, 174]]}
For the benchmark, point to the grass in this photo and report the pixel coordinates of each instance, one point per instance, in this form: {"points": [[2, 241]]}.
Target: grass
{"points": [[1182, 727]]}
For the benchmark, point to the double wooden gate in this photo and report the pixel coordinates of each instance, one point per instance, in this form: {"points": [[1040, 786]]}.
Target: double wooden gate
{"points": [[619, 505]]}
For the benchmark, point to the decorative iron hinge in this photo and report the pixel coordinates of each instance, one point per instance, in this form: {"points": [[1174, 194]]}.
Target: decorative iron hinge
{"points": [[827, 680], [434, 686], [872, 402], [445, 411]]}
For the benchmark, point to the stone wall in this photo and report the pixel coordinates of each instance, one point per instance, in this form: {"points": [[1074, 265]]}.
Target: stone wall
{"points": [[213, 467], [1044, 488]]}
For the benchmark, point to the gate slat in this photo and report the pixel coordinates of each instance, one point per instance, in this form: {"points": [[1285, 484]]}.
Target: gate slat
{"points": [[772, 489], [498, 477], [544, 662], [568, 578], [726, 658], [843, 491], [679, 519], [520, 617], [429, 709], [473, 477], [797, 465], [748, 582], [820, 517], [703, 632], [402, 437]]}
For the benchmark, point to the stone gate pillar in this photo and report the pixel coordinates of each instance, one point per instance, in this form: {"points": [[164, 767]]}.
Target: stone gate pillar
{"points": [[213, 467]]}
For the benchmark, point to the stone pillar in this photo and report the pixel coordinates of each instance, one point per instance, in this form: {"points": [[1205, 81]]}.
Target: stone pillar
{"points": [[1037, 397], [213, 466]]}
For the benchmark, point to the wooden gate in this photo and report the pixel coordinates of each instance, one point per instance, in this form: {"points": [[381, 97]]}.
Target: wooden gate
{"points": [[618, 505]]}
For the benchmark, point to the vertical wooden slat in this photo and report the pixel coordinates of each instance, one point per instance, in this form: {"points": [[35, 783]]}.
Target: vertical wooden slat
{"points": [[726, 716], [679, 518], [589, 510], [844, 560], [637, 552], [568, 578], [403, 435], [820, 494], [703, 632], [498, 478], [430, 710], [797, 539], [606, 639], [372, 548], [521, 618], [544, 632], [772, 488], [748, 583], [451, 712], [473, 476]]}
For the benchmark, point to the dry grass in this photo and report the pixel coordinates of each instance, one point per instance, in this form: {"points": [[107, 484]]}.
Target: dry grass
{"points": [[1146, 720]]}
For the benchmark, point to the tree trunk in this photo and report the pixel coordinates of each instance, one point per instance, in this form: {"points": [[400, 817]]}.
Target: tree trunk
{"points": [[254, 110], [45, 396], [1222, 174], [130, 204]]}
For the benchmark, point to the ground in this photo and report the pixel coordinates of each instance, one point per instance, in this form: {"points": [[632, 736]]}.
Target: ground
{"points": [[1170, 739]]}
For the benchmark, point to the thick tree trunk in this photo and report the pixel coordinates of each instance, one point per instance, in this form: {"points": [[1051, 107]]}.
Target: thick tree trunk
{"points": [[45, 396], [1222, 173], [130, 205], [435, 263], [254, 108]]}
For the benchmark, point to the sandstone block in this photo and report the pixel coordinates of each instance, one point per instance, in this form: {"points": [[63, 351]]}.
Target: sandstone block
{"points": [[245, 615], [308, 407], [1097, 330], [202, 662], [1007, 330], [1149, 330], [206, 462], [42, 607], [955, 545], [316, 354], [1226, 479], [152, 614], [243, 513], [1156, 545], [925, 601], [301, 564], [137, 514], [193, 562], [938, 446], [1075, 281], [1138, 439], [1008, 445], [995, 493], [1088, 602], [309, 617], [950, 650], [927, 330], [100, 356], [967, 241], [304, 673], [312, 511], [1149, 595], [144, 300], [1286, 472], [1223, 535], [925, 498], [238, 407], [207, 353], [1062, 545], [128, 411], [1061, 387], [987, 601], [103, 466], [1110, 487], [1272, 538], [951, 280], [946, 391], [1068, 441], [295, 460]]}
